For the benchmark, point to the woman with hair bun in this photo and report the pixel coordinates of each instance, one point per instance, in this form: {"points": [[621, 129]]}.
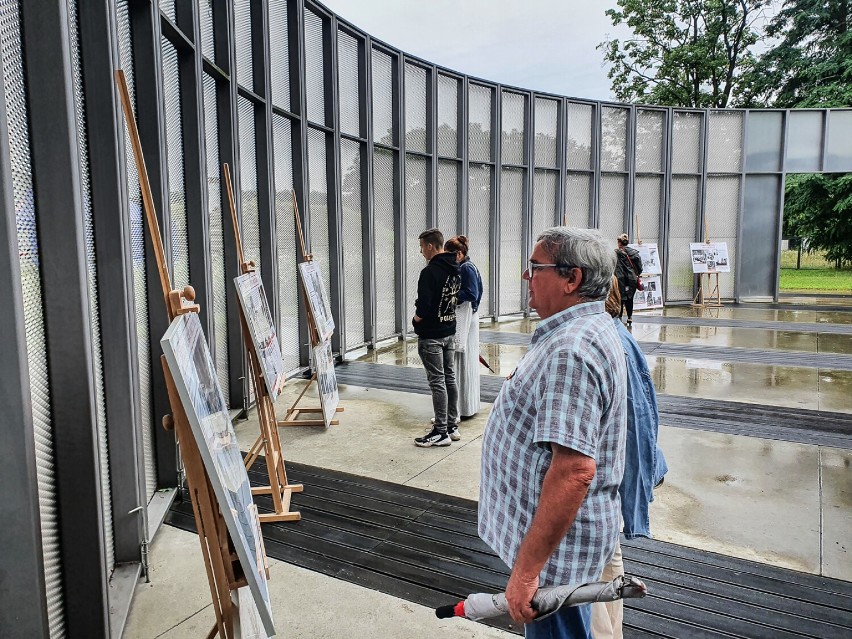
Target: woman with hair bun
{"points": [[467, 330], [628, 269]]}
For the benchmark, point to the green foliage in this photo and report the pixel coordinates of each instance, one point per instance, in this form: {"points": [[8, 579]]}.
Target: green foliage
{"points": [[816, 280], [819, 207], [694, 53]]}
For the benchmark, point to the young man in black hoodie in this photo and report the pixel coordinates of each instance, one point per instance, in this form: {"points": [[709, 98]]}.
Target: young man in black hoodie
{"points": [[435, 324]]}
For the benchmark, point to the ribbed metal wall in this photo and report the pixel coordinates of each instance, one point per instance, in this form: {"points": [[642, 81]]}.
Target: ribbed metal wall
{"points": [[26, 218]]}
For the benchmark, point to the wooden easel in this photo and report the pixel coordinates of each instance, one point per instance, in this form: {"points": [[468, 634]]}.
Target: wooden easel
{"points": [[291, 418], [223, 568], [267, 442], [709, 296]]}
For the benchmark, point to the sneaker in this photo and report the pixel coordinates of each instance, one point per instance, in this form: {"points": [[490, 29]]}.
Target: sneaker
{"points": [[434, 438], [454, 432]]}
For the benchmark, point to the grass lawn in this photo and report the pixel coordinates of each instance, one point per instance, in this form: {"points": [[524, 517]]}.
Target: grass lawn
{"points": [[817, 280]]}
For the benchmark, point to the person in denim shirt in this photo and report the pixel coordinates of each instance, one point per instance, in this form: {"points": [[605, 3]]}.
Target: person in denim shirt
{"points": [[644, 465]]}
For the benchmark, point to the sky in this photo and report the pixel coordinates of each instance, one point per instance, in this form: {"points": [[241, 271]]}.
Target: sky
{"points": [[545, 45]]}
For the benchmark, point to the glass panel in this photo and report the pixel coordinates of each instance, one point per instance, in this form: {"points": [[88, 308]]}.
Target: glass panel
{"points": [[511, 240], [544, 202], [347, 83], [385, 236], [760, 234], [382, 98], [243, 42], [416, 220], [353, 245], [480, 184], [479, 129], [838, 154], [448, 195], [804, 141], [513, 130], [765, 135], [448, 116], [613, 139], [578, 199], [725, 140], [279, 53], [314, 67], [415, 108], [686, 142], [546, 112], [649, 141], [250, 218], [581, 122]]}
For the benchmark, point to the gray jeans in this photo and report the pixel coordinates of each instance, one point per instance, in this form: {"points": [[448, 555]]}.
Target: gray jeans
{"points": [[438, 356]]}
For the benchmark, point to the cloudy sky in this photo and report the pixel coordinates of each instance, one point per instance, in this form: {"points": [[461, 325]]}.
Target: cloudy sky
{"points": [[547, 45]]}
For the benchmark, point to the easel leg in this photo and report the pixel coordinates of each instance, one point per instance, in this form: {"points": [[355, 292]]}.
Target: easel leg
{"points": [[291, 418]]}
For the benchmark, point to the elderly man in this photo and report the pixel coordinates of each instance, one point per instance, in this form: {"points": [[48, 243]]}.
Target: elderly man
{"points": [[553, 448]]}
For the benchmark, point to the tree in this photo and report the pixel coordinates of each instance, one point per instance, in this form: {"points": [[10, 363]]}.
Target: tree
{"points": [[819, 207], [692, 53]]}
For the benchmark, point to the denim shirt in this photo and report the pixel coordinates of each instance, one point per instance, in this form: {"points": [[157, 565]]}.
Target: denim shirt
{"points": [[644, 464]]}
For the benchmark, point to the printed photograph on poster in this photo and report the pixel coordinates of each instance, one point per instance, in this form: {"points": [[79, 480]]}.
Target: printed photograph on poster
{"points": [[195, 378], [326, 380], [317, 299], [650, 256], [651, 297], [252, 298], [710, 257]]}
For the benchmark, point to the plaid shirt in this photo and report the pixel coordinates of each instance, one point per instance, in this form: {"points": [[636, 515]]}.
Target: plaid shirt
{"points": [[571, 389]]}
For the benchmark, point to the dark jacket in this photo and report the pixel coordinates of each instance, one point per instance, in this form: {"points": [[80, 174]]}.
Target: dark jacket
{"points": [[471, 284], [628, 269], [437, 295]]}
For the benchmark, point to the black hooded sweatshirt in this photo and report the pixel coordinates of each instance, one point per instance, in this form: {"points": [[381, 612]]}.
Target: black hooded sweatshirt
{"points": [[437, 294]]}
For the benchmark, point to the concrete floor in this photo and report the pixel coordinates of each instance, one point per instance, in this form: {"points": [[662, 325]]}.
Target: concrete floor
{"points": [[781, 503]]}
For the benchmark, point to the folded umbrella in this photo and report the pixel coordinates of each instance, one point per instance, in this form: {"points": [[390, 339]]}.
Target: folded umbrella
{"points": [[546, 601], [485, 364]]}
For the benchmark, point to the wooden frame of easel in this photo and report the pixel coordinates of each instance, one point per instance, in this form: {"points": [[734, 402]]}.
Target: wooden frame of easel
{"points": [[223, 568], [291, 418], [267, 442]]}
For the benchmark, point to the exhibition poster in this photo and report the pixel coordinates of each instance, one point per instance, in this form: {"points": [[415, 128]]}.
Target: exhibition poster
{"points": [[326, 380], [650, 256], [651, 297], [252, 298], [317, 299], [710, 257], [195, 378]]}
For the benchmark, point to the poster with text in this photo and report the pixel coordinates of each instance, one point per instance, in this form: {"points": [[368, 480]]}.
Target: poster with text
{"points": [[651, 297], [317, 299], [650, 256], [710, 257], [326, 380], [252, 298], [195, 378]]}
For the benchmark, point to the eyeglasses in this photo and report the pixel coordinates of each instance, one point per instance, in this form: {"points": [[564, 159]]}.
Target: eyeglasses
{"points": [[535, 266]]}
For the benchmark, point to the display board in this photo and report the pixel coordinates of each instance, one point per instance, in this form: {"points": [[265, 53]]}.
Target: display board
{"points": [[317, 299], [650, 256], [651, 297], [326, 380], [710, 257], [195, 378], [252, 297]]}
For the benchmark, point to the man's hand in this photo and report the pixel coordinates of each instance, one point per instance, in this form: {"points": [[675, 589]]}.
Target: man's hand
{"points": [[416, 318], [519, 594]]}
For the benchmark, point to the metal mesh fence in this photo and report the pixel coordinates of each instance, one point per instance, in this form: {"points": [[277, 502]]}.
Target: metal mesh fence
{"points": [[385, 243], [613, 186], [579, 136], [382, 67], [250, 215], [513, 131], [242, 38], [479, 127], [613, 139], [578, 199], [448, 188], [448, 116], [205, 16], [650, 129], [721, 213], [686, 142], [415, 108], [725, 141], [647, 207], [683, 217], [353, 242], [479, 189], [416, 221], [546, 112], [347, 84], [318, 201], [314, 67], [279, 54], [511, 240], [545, 185]]}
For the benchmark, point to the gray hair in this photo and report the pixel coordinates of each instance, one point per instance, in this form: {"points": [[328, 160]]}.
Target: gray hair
{"points": [[585, 249]]}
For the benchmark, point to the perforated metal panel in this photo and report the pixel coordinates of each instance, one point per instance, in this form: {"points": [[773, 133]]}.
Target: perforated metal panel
{"points": [[725, 142], [545, 185], [168, 7], [285, 235], [511, 240], [480, 184], [647, 207], [612, 206], [546, 112], [415, 108], [613, 139], [318, 201], [448, 195], [804, 141], [683, 216], [174, 149], [448, 116], [25, 217], [686, 142], [217, 234], [243, 42], [382, 66], [250, 221], [838, 155], [92, 281], [765, 133], [314, 67], [416, 220], [347, 83], [385, 243], [649, 141], [137, 247], [578, 199], [205, 16], [479, 127], [721, 212], [353, 242], [513, 132], [279, 53], [581, 122]]}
